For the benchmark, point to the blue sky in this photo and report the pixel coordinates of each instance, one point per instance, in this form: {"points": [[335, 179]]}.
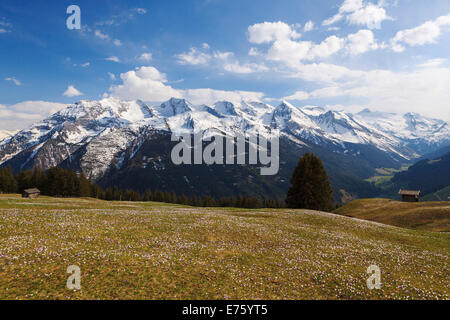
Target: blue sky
{"points": [[389, 55]]}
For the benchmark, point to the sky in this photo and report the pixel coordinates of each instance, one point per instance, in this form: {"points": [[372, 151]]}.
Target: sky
{"points": [[385, 55]]}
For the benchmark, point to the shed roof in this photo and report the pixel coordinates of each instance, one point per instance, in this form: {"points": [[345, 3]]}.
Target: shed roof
{"points": [[32, 190], [409, 192]]}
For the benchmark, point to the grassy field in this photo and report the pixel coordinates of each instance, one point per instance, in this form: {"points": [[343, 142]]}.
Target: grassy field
{"points": [[430, 216], [383, 176], [154, 251]]}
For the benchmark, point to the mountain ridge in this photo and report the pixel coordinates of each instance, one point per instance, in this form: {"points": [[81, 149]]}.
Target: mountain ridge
{"points": [[104, 136]]}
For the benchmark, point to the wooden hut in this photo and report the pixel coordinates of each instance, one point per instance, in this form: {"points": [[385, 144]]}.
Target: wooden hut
{"points": [[409, 195], [31, 193]]}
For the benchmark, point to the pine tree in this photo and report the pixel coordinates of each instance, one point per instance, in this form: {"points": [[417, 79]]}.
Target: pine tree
{"points": [[84, 186], [148, 195], [310, 187]]}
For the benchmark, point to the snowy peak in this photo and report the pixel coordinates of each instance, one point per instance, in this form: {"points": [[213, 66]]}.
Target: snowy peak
{"points": [[173, 107], [337, 122], [104, 110], [99, 133], [225, 108], [286, 116], [5, 134]]}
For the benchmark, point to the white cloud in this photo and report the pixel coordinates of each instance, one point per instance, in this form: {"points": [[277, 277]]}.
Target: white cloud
{"points": [[361, 13], [113, 59], [83, 65], [336, 18], [293, 53], [371, 16], [326, 48], [309, 26], [424, 90], [426, 33], [5, 27], [236, 67], [432, 63], [14, 80], [146, 56], [23, 114], [101, 35], [205, 46], [141, 10], [254, 52], [209, 96], [148, 84], [145, 83], [112, 76], [219, 59], [361, 42], [71, 91], [123, 17], [267, 32], [299, 95], [193, 57]]}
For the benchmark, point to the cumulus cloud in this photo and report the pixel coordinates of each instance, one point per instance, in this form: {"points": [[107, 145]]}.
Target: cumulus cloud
{"points": [[426, 33], [71, 91], [267, 32], [149, 84], [358, 12], [23, 114], [145, 83], [286, 49], [361, 42], [309, 26]]}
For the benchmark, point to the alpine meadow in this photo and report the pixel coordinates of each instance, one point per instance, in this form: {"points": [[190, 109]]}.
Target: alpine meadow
{"points": [[224, 159]]}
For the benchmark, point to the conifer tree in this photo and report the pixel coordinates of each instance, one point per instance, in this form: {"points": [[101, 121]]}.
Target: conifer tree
{"points": [[310, 187]]}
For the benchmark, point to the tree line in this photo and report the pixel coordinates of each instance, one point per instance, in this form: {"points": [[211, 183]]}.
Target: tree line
{"points": [[58, 182], [310, 189]]}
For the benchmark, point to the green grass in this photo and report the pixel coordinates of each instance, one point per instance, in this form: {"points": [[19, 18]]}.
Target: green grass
{"points": [[384, 176], [431, 216], [129, 250]]}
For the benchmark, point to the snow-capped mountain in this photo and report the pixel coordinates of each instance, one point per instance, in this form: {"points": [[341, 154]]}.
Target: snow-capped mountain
{"points": [[99, 135], [417, 132], [6, 133]]}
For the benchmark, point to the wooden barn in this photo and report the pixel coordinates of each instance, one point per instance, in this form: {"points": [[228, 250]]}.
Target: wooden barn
{"points": [[409, 195], [31, 193]]}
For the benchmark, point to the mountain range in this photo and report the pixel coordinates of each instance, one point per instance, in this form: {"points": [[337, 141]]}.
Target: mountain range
{"points": [[127, 143]]}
